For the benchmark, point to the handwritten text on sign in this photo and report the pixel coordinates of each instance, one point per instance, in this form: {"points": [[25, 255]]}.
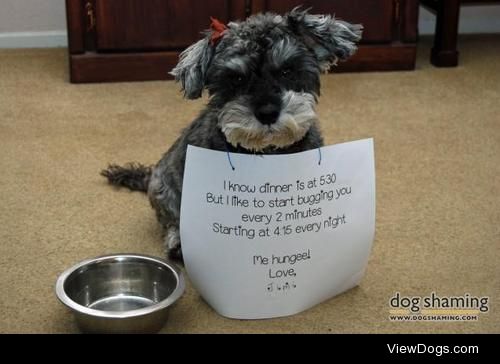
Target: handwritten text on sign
{"points": [[280, 233]]}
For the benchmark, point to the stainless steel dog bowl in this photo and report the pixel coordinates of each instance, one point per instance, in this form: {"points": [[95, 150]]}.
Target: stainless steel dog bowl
{"points": [[122, 293]]}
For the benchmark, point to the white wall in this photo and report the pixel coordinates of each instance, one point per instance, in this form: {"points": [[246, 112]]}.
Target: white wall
{"points": [[32, 23], [32, 15], [42, 23], [473, 19]]}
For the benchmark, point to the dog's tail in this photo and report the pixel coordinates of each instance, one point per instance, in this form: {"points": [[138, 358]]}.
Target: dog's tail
{"points": [[134, 176]]}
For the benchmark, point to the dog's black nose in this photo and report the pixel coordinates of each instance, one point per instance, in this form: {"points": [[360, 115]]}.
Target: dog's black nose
{"points": [[268, 114]]}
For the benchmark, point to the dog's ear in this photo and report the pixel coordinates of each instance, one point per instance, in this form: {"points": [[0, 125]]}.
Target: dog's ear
{"points": [[330, 39], [192, 67]]}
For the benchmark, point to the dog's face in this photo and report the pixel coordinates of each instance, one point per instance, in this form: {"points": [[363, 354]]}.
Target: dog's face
{"points": [[263, 74]]}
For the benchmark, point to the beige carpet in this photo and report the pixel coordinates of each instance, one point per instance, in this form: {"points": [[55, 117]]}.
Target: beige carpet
{"points": [[437, 136]]}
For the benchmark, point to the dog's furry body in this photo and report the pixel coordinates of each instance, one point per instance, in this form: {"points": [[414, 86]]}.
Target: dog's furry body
{"points": [[263, 79]]}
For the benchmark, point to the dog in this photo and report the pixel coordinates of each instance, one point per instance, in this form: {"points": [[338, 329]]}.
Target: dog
{"points": [[263, 80]]}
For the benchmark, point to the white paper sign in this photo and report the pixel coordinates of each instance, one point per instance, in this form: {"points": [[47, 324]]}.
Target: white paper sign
{"points": [[279, 233]]}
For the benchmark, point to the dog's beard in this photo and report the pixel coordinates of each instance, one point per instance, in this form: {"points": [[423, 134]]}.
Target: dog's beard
{"points": [[240, 126]]}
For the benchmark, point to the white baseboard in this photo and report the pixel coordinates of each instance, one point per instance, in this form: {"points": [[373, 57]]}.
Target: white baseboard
{"points": [[47, 39], [473, 26]]}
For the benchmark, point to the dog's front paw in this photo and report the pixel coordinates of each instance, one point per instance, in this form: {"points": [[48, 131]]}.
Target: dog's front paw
{"points": [[173, 243]]}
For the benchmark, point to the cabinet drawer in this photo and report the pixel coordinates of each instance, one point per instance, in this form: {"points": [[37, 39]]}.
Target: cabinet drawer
{"points": [[375, 15], [153, 24]]}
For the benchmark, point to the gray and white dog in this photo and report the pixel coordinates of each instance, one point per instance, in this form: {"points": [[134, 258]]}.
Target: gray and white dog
{"points": [[263, 78]]}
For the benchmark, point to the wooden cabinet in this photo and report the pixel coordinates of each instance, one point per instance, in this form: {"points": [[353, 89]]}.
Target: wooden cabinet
{"points": [[129, 40], [390, 29], [136, 40], [154, 24], [376, 16]]}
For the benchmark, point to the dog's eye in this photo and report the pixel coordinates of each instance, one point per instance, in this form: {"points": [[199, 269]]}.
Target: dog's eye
{"points": [[286, 72], [237, 80]]}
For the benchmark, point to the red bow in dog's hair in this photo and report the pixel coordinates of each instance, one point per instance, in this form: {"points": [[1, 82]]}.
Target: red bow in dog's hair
{"points": [[218, 30]]}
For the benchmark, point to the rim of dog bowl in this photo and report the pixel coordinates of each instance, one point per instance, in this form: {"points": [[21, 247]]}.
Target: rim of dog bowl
{"points": [[174, 296]]}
